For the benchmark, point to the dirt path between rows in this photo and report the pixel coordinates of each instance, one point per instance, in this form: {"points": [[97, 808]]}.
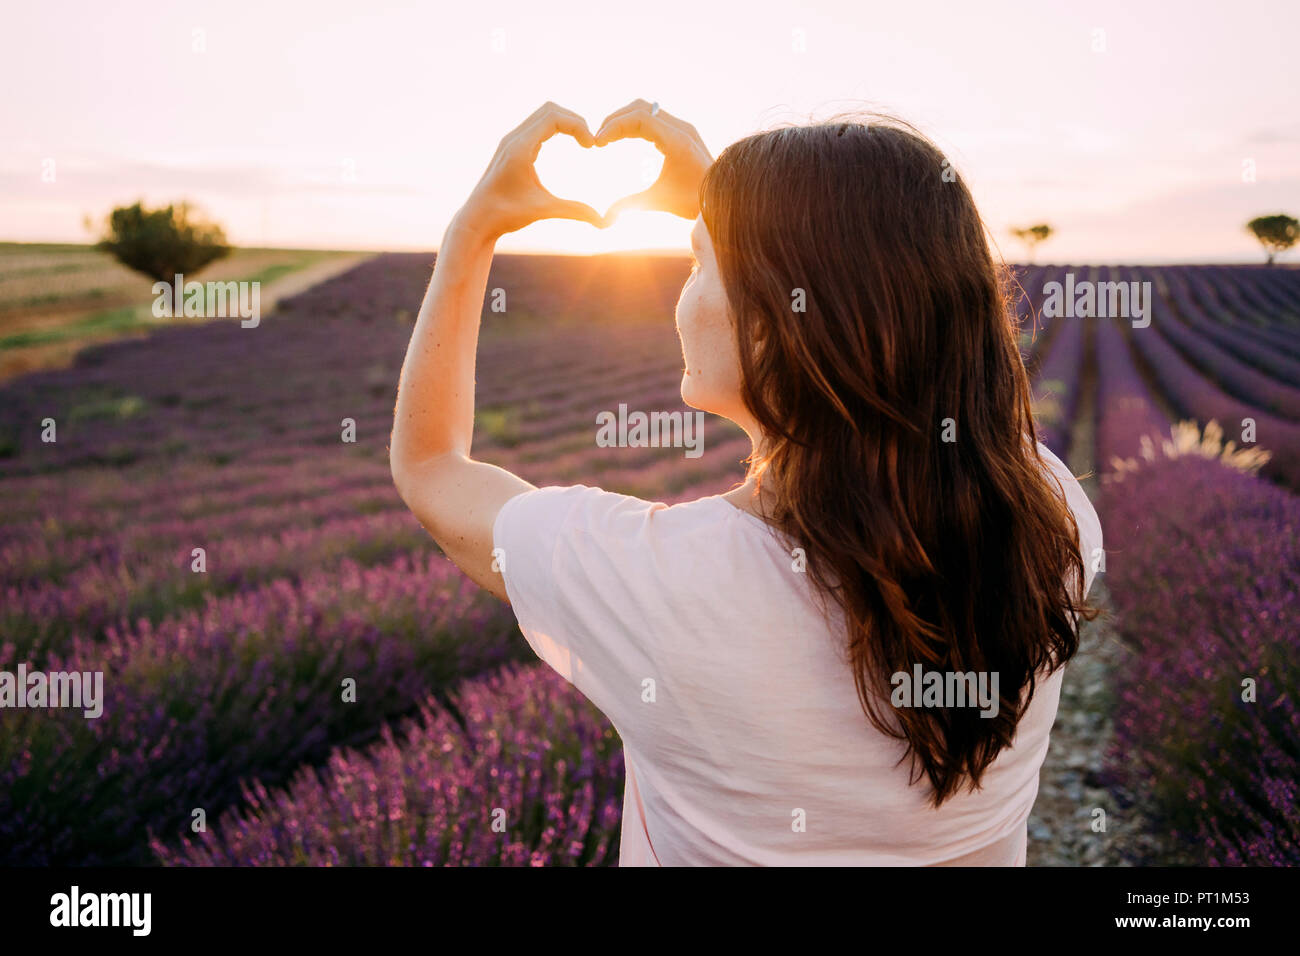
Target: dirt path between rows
{"points": [[304, 279], [1076, 820]]}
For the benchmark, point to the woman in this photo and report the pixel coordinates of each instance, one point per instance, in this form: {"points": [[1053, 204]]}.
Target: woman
{"points": [[854, 657]]}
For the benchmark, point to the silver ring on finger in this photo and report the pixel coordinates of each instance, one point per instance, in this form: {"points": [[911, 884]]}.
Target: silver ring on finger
{"points": [[654, 109]]}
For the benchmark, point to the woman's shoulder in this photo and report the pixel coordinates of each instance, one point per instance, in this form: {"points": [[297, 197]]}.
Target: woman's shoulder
{"points": [[597, 511], [1076, 497], [1081, 506]]}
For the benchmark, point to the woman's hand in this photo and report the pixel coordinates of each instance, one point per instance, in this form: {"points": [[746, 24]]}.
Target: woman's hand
{"points": [[677, 190], [510, 196]]}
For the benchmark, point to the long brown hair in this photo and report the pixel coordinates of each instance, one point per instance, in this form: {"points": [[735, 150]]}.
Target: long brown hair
{"points": [[900, 431]]}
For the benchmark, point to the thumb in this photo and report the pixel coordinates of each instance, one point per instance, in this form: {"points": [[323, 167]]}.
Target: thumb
{"points": [[642, 200], [572, 209]]}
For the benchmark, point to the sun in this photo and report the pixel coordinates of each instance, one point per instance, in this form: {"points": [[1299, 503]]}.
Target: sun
{"points": [[633, 230], [599, 177]]}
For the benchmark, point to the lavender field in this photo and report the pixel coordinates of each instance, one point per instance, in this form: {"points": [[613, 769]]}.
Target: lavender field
{"points": [[287, 655]]}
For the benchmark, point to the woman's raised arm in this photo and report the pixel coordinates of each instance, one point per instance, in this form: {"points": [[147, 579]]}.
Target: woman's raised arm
{"points": [[456, 498]]}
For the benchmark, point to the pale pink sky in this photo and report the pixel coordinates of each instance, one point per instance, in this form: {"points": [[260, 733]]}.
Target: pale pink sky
{"points": [[365, 125]]}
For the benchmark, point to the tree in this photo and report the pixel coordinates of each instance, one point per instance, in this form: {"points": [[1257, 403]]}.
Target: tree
{"points": [[1032, 236], [1276, 233], [163, 242]]}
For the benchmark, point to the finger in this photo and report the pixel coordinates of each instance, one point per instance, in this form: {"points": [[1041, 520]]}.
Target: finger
{"points": [[638, 109], [556, 119], [661, 129], [523, 128], [634, 105], [572, 209], [633, 120], [642, 200]]}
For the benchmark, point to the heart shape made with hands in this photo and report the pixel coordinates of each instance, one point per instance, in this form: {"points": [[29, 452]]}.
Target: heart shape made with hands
{"points": [[597, 175]]}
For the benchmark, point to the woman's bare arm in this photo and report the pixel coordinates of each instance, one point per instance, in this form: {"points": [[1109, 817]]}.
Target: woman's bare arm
{"points": [[455, 497]]}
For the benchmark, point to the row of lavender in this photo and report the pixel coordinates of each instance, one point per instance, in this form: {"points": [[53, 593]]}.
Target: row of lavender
{"points": [[1207, 723], [1203, 561], [531, 774], [252, 685], [1217, 344], [1204, 352]]}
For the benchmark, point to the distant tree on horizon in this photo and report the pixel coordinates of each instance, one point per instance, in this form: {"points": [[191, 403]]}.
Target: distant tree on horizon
{"points": [[163, 242], [1276, 233], [1032, 236]]}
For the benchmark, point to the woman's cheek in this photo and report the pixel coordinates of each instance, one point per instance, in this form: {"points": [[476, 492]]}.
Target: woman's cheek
{"points": [[708, 351], [688, 332]]}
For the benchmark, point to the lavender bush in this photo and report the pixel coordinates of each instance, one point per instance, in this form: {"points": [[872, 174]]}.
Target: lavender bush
{"points": [[1236, 324], [533, 756], [252, 684], [118, 588], [1185, 326], [1126, 411], [1203, 567], [1196, 397]]}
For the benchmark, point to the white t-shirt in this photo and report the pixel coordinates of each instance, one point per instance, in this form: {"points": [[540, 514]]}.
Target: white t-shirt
{"points": [[743, 737]]}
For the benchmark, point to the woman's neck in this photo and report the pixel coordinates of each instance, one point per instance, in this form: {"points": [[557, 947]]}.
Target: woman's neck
{"points": [[747, 497]]}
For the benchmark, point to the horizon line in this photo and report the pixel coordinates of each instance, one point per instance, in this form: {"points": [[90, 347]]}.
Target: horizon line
{"points": [[664, 251]]}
